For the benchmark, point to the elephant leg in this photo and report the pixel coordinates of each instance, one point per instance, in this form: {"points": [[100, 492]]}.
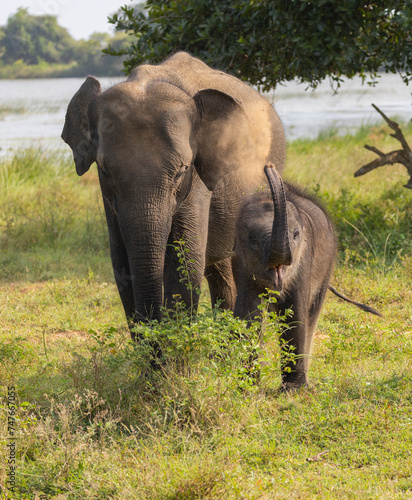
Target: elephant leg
{"points": [[120, 263], [296, 342], [221, 284], [118, 253], [183, 273], [295, 357], [299, 334], [301, 337], [311, 320]]}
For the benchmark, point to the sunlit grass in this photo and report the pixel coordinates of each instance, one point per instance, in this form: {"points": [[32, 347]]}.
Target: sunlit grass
{"points": [[372, 213], [332, 161]]}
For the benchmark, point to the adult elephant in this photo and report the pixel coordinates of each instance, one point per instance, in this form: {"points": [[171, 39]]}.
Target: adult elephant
{"points": [[177, 145]]}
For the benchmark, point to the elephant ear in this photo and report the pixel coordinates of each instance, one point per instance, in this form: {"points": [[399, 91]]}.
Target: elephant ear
{"points": [[219, 116], [79, 130], [214, 104]]}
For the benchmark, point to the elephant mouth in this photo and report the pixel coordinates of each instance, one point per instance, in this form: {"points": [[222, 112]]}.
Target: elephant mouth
{"points": [[276, 277]]}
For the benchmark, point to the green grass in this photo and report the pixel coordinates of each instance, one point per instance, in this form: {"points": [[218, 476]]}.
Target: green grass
{"points": [[52, 223], [372, 213], [94, 421]]}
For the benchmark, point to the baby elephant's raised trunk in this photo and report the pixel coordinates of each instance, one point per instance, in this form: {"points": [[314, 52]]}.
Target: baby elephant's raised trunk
{"points": [[278, 253]]}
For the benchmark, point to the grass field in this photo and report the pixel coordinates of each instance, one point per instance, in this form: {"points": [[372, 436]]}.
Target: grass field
{"points": [[89, 419]]}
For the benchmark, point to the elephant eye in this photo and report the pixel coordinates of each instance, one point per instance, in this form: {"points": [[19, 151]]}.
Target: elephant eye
{"points": [[182, 170], [296, 234], [253, 238]]}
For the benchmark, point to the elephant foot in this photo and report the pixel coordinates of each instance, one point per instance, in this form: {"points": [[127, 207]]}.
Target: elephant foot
{"points": [[152, 351], [295, 384]]}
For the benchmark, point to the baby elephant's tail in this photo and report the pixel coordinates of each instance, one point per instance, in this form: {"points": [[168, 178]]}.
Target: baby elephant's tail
{"points": [[357, 304]]}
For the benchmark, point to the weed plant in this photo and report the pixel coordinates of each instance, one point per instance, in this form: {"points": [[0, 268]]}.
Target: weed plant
{"points": [[94, 420]]}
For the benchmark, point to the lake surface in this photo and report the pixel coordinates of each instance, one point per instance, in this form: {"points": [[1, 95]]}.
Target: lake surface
{"points": [[32, 111]]}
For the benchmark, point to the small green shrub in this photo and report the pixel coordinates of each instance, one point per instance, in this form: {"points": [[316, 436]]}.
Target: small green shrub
{"points": [[181, 363]]}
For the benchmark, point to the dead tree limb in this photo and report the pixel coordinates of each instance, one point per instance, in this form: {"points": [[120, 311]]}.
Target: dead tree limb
{"points": [[402, 156]]}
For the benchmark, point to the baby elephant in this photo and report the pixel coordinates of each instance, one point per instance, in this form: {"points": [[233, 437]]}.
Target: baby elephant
{"points": [[285, 241]]}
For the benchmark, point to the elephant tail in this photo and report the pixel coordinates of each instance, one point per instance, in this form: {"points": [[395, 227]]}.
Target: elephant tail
{"points": [[357, 304]]}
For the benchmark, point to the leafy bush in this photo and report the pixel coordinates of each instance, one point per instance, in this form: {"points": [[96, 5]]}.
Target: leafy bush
{"points": [[182, 365]]}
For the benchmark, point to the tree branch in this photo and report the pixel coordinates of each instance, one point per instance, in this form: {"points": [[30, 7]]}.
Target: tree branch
{"points": [[402, 156]]}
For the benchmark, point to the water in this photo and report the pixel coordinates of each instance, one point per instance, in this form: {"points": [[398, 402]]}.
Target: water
{"points": [[305, 114], [32, 111]]}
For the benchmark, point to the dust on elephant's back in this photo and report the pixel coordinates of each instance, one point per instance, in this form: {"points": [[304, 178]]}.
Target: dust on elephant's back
{"points": [[267, 131], [264, 126]]}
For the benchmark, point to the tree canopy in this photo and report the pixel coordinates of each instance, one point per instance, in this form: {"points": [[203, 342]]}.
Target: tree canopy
{"points": [[30, 38], [267, 42]]}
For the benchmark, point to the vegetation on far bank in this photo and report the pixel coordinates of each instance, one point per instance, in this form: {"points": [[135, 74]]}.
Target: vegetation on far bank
{"points": [[94, 421], [37, 47]]}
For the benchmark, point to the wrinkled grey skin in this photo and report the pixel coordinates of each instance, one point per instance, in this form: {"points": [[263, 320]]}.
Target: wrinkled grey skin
{"points": [[286, 243], [169, 143]]}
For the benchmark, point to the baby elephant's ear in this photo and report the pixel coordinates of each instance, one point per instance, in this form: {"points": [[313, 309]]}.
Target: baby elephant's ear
{"points": [[78, 127]]}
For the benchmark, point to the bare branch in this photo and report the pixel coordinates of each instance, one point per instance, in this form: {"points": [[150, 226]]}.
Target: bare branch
{"points": [[402, 156], [394, 126], [375, 150]]}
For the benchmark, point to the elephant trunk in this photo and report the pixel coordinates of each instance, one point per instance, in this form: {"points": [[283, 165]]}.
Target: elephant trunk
{"points": [[278, 253], [147, 281], [145, 237]]}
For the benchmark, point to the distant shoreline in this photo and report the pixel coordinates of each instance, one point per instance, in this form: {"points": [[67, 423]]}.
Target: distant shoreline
{"points": [[21, 71]]}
